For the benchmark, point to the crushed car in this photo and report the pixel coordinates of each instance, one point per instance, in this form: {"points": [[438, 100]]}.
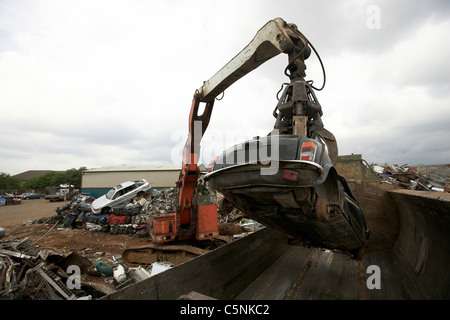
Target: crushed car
{"points": [[124, 192]]}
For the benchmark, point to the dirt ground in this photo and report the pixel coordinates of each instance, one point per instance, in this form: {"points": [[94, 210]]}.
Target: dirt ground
{"points": [[17, 222], [13, 215], [14, 218]]}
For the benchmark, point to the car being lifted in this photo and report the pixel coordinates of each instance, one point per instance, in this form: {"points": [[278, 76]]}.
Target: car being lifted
{"points": [[121, 193]]}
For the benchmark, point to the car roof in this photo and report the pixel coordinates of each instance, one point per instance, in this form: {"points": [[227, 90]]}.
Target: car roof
{"points": [[124, 184]]}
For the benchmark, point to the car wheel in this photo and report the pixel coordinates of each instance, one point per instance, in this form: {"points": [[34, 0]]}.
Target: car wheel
{"points": [[106, 210]]}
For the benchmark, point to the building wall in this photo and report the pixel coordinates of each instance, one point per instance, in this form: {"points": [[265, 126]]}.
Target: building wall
{"points": [[99, 182]]}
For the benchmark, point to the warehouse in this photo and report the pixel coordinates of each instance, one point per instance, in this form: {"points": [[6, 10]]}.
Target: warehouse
{"points": [[98, 181]]}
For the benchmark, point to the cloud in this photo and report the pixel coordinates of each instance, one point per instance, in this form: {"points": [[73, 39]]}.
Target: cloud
{"points": [[96, 83]]}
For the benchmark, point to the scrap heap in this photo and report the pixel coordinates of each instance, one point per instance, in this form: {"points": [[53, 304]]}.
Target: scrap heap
{"points": [[28, 272], [132, 218], [420, 177], [128, 218]]}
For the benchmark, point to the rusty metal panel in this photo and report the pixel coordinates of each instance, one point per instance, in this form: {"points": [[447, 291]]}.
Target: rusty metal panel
{"points": [[277, 281], [379, 209], [221, 274], [410, 236], [424, 240]]}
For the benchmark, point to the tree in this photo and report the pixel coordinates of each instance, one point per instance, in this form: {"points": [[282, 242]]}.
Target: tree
{"points": [[54, 179], [8, 182], [73, 176]]}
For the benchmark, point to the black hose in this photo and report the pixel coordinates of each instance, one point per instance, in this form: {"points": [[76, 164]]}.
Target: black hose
{"points": [[318, 56]]}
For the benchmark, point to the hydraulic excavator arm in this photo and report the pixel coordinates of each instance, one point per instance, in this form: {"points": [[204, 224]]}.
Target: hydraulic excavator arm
{"points": [[275, 37]]}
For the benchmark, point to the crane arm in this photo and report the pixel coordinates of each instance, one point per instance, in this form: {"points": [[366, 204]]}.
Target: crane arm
{"points": [[275, 37]]}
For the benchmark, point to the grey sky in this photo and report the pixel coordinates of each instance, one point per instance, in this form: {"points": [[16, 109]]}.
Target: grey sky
{"points": [[99, 83]]}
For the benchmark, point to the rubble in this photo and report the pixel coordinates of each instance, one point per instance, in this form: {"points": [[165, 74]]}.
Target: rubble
{"points": [[420, 177], [28, 272]]}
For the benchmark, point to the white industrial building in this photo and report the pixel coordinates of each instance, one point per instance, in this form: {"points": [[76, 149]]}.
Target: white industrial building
{"points": [[98, 181]]}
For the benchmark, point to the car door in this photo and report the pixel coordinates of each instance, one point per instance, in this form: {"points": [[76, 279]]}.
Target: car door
{"points": [[118, 197], [129, 192]]}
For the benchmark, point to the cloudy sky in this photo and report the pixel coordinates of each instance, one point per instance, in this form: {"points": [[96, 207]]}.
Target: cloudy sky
{"points": [[98, 83]]}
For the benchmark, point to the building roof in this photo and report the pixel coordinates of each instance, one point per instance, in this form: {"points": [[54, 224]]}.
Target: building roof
{"points": [[27, 175], [153, 167], [149, 167]]}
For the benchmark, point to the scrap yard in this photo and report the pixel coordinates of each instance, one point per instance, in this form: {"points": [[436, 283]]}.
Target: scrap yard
{"points": [[116, 254], [284, 216], [51, 236]]}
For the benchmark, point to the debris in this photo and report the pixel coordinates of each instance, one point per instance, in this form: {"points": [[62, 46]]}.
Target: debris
{"points": [[420, 177], [104, 268], [139, 274], [152, 252], [238, 236], [119, 272], [36, 241], [158, 267], [9, 199], [229, 228], [28, 272], [122, 219], [53, 280], [250, 225], [93, 227], [193, 295]]}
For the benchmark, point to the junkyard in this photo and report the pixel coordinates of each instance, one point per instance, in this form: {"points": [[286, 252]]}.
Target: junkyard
{"points": [[40, 235], [285, 216], [43, 239]]}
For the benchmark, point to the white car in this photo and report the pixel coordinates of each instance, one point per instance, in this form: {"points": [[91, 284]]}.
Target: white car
{"points": [[121, 193]]}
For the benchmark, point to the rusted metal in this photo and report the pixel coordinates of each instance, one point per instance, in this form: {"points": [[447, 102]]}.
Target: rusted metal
{"points": [[195, 296], [148, 254], [379, 208]]}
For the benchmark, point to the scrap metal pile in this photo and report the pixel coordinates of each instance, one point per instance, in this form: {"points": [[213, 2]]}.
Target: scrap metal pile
{"points": [[28, 272], [132, 218], [128, 218], [421, 177]]}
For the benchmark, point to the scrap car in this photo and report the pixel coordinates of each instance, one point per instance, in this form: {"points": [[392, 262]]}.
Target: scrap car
{"points": [[121, 193]]}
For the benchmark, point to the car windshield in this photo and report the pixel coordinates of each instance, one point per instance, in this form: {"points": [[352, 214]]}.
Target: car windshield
{"points": [[110, 194]]}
